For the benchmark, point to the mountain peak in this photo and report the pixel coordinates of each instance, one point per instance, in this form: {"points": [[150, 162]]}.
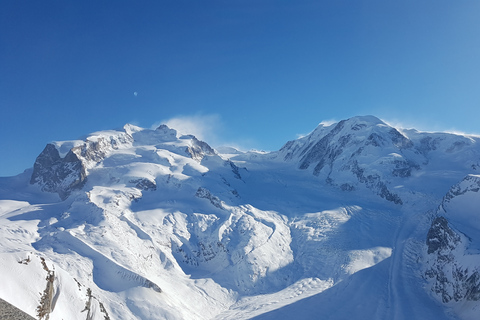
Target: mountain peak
{"points": [[367, 119]]}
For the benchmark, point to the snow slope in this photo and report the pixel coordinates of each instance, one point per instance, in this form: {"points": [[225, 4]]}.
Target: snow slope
{"points": [[155, 224]]}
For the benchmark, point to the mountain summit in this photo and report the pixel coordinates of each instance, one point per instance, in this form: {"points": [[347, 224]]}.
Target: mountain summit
{"points": [[365, 152], [155, 224]]}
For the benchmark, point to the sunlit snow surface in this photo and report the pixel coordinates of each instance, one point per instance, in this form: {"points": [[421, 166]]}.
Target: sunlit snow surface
{"points": [[159, 233]]}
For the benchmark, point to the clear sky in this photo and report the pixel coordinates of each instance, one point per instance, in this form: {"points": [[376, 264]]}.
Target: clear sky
{"points": [[255, 73]]}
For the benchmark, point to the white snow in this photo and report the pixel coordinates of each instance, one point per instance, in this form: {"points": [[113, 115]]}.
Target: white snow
{"points": [[201, 239]]}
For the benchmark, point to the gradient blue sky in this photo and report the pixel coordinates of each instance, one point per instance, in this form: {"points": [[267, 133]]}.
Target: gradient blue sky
{"points": [[255, 73]]}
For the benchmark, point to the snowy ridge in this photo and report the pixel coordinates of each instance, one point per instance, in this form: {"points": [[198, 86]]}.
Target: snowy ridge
{"points": [[453, 257], [366, 152], [147, 224]]}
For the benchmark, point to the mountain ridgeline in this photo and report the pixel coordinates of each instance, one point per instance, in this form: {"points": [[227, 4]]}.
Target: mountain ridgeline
{"points": [[155, 224], [366, 151]]}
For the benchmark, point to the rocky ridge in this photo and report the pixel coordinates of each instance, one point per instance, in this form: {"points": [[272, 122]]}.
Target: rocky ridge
{"points": [[452, 263]]}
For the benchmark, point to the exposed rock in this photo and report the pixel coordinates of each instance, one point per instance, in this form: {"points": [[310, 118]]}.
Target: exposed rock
{"points": [[449, 279], [344, 147], [199, 149], [144, 184], [403, 168], [322, 152], [47, 304], [10, 312], [59, 175], [205, 194], [235, 169], [440, 237], [64, 175], [95, 149], [374, 182], [428, 144], [170, 134], [399, 140]]}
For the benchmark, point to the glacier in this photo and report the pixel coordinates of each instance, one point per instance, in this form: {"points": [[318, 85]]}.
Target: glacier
{"points": [[357, 220]]}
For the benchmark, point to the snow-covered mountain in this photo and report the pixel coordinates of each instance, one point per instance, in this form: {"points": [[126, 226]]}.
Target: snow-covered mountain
{"points": [[453, 242], [358, 219]]}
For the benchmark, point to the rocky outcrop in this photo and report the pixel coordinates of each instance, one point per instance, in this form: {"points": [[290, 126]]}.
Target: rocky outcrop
{"points": [[324, 152], [204, 193], [64, 175], [96, 148], [449, 279], [47, 303], [235, 169], [144, 184], [375, 183], [58, 175], [10, 312], [441, 239], [451, 268], [199, 149]]}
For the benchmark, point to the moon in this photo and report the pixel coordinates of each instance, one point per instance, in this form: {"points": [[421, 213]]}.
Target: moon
{"points": [[135, 93]]}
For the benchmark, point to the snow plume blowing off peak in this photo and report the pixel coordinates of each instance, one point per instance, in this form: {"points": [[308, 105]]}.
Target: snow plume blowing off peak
{"points": [[204, 127], [156, 224]]}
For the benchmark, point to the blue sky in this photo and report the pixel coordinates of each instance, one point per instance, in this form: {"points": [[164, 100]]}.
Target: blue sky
{"points": [[255, 73]]}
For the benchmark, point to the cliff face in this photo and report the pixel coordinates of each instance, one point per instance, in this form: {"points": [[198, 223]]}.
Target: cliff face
{"points": [[58, 175], [452, 265]]}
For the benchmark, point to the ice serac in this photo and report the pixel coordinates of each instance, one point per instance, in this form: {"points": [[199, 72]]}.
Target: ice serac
{"points": [[452, 264]]}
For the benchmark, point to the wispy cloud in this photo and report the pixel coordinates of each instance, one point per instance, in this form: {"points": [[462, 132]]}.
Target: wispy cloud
{"points": [[328, 123], [426, 127], [206, 127]]}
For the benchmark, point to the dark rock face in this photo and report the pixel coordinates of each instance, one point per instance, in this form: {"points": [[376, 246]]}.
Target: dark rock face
{"points": [[144, 184], [399, 140], [323, 152], [440, 237], [428, 144], [235, 169], [403, 168], [10, 312], [64, 175], [450, 280], [199, 149], [56, 174], [205, 194], [374, 182], [92, 150]]}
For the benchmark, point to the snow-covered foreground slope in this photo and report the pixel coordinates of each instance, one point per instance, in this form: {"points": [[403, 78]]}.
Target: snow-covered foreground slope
{"points": [[153, 224]]}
